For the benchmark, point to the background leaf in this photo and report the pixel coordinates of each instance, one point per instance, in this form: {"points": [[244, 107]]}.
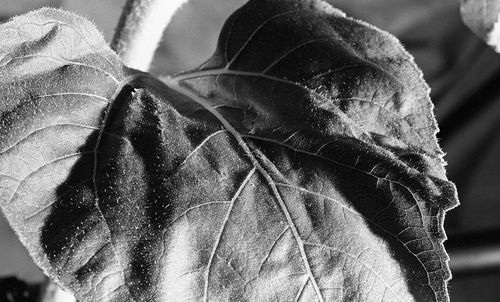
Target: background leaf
{"points": [[285, 167], [482, 17]]}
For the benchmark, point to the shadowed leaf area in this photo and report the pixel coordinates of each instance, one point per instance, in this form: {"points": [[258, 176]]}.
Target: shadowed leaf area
{"points": [[298, 163]]}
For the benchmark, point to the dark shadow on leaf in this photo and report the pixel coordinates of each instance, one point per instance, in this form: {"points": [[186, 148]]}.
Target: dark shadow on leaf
{"points": [[398, 223]]}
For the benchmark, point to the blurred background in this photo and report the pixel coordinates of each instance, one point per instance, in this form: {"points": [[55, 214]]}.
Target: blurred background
{"points": [[464, 75]]}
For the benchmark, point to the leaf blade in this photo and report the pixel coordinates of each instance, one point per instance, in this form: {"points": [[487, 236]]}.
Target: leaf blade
{"points": [[223, 65], [249, 178], [51, 85]]}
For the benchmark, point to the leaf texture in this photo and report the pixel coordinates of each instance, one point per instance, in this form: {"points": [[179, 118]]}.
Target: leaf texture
{"points": [[299, 163]]}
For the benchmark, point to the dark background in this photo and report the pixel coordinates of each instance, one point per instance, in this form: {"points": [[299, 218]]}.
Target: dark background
{"points": [[463, 72]]}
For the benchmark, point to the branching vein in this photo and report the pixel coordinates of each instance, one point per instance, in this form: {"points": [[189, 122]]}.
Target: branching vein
{"points": [[221, 232]]}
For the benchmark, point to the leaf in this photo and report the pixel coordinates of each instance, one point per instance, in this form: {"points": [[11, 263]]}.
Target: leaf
{"points": [[482, 17], [298, 163]]}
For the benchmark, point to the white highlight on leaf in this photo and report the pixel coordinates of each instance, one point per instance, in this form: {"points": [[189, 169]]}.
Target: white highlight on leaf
{"points": [[327, 8], [493, 38]]}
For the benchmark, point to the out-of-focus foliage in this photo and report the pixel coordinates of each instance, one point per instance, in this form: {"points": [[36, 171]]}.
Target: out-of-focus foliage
{"points": [[482, 17]]}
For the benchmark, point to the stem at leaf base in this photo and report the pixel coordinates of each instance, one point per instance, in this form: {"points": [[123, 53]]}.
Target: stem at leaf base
{"points": [[140, 30], [51, 292]]}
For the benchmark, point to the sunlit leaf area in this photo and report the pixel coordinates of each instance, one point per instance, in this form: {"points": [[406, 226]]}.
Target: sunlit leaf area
{"points": [[276, 150]]}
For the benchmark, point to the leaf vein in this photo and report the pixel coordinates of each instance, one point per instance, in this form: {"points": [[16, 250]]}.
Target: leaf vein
{"points": [[83, 37], [42, 129], [357, 259], [66, 61], [174, 84], [96, 192], [200, 146], [40, 168], [221, 232], [247, 41], [297, 47], [365, 218], [268, 254]]}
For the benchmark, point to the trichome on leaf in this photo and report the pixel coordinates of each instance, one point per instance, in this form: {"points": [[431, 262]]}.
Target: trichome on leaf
{"points": [[299, 162]]}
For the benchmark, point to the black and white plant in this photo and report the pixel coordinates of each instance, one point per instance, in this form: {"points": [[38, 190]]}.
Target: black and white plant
{"points": [[299, 162]]}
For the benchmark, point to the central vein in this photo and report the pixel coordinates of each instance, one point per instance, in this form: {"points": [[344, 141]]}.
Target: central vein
{"points": [[174, 84]]}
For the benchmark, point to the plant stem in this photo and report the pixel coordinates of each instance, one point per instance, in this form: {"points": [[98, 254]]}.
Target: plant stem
{"points": [[51, 292], [140, 29]]}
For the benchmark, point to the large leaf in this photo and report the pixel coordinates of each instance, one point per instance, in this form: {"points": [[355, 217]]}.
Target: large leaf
{"points": [[299, 162]]}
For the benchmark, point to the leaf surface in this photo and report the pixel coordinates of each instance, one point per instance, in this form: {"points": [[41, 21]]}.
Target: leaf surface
{"points": [[298, 163]]}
